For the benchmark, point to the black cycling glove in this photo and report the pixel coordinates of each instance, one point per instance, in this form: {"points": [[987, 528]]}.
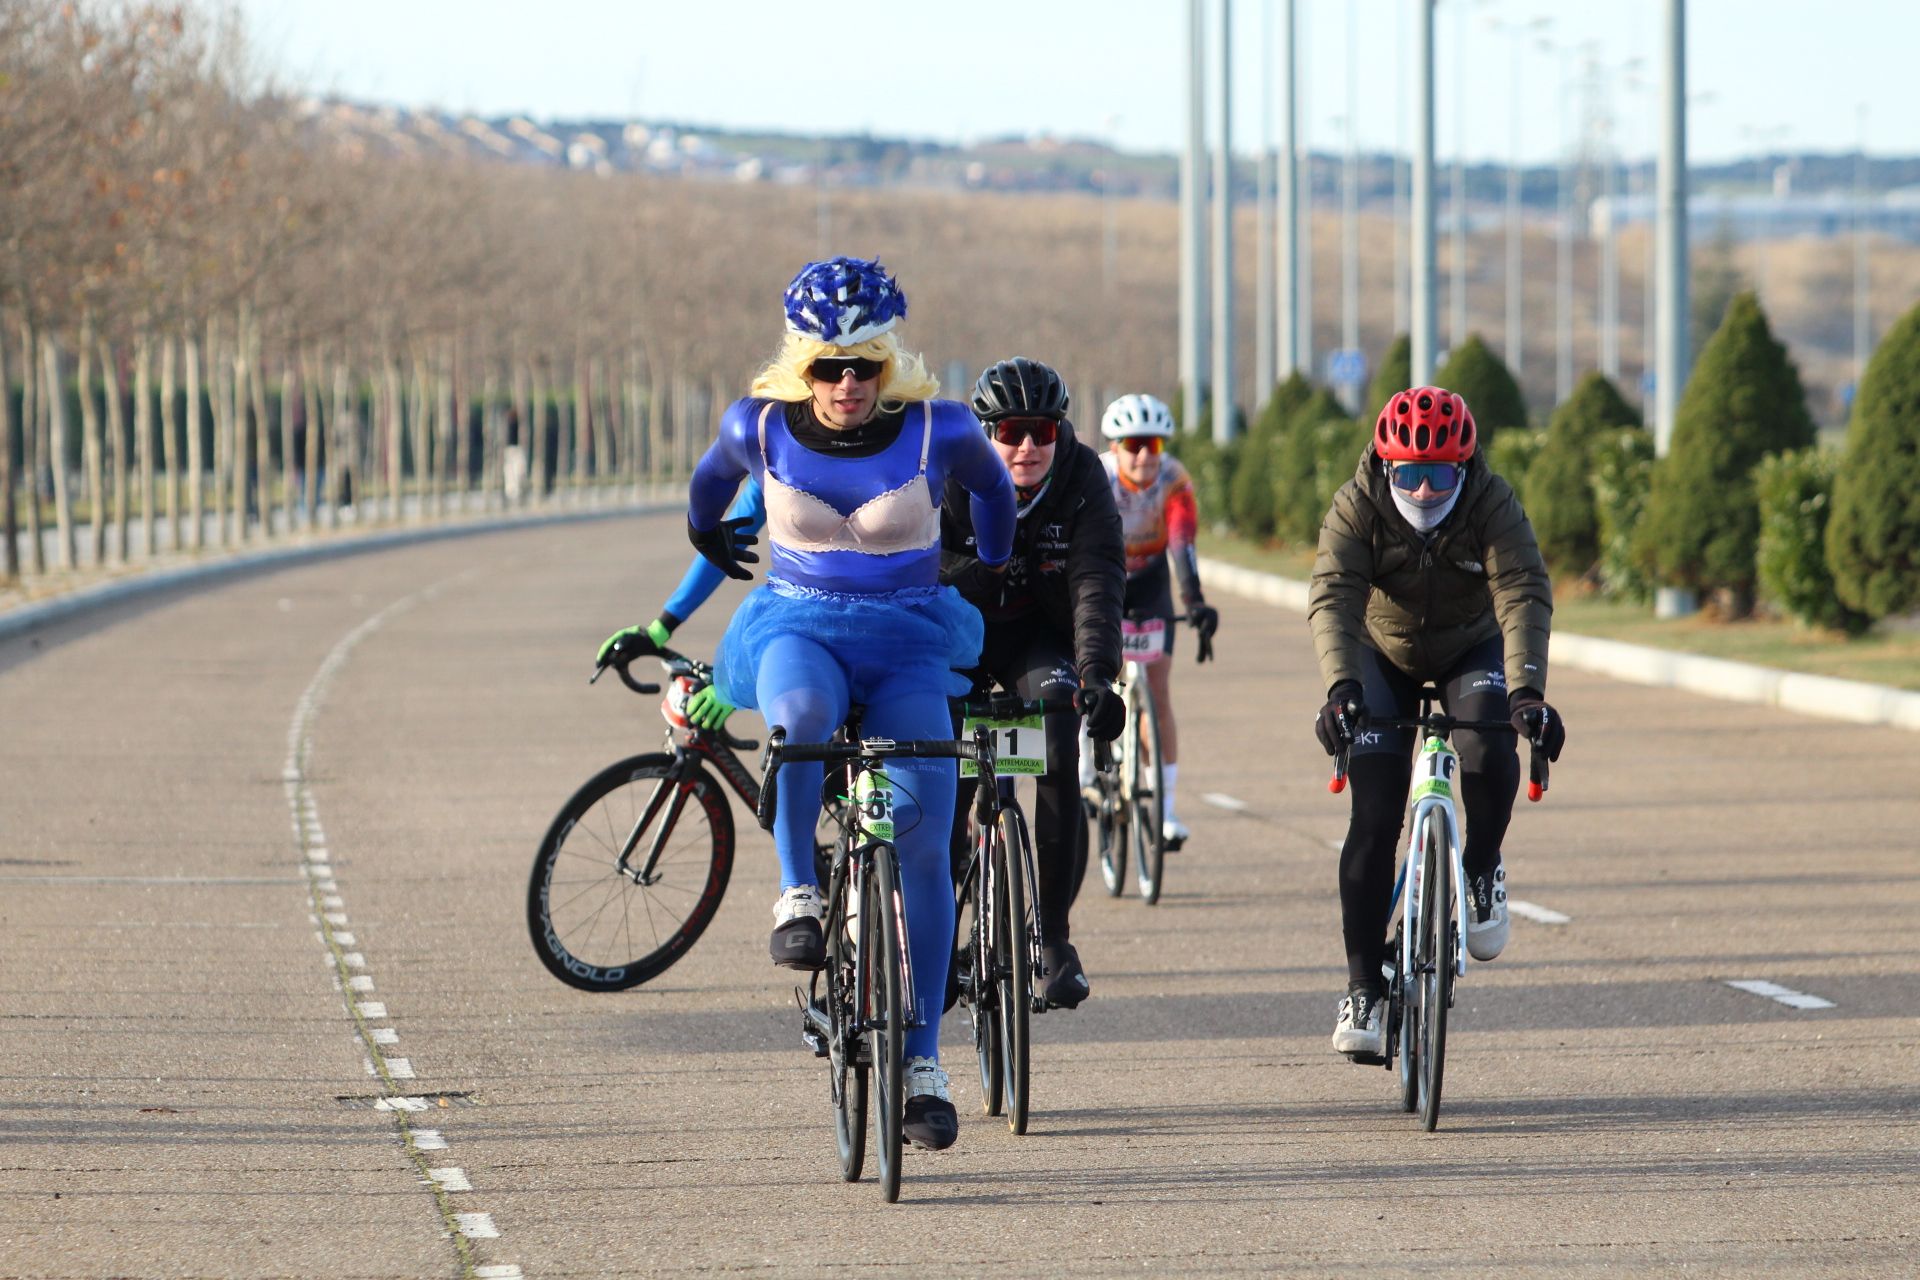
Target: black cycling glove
{"points": [[1105, 710], [1205, 619], [1342, 717], [725, 546], [1537, 722]]}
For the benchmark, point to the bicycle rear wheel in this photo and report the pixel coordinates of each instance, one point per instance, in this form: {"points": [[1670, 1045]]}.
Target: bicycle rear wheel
{"points": [[845, 1061], [599, 928], [1013, 959], [976, 914], [1436, 972], [880, 960], [1149, 798]]}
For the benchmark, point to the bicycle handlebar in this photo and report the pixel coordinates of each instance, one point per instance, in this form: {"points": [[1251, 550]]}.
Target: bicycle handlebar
{"points": [[1437, 722]]}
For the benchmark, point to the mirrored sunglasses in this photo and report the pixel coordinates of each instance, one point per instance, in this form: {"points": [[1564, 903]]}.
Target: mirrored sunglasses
{"points": [[1134, 444], [1408, 476], [834, 368], [1011, 431]]}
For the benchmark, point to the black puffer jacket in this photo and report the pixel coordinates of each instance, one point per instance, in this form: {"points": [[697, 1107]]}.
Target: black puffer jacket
{"points": [[1068, 566]]}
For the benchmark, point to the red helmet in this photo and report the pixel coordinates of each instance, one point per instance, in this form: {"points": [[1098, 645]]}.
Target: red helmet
{"points": [[1425, 424]]}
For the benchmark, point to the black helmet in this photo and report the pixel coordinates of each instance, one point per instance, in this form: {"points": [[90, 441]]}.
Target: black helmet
{"points": [[1019, 388]]}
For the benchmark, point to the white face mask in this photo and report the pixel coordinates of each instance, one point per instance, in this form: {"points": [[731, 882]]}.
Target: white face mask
{"points": [[1425, 519]]}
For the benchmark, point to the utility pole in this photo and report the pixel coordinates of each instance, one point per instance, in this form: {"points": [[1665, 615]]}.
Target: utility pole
{"points": [[1223, 380], [1671, 288], [1423, 316], [1350, 213], [1193, 230], [1862, 324], [1287, 235], [1457, 238], [1263, 273]]}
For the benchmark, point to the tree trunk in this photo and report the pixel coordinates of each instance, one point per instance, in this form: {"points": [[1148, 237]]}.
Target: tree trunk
{"points": [[462, 393], [196, 449], [249, 353], [656, 430], [523, 397], [538, 440], [170, 442], [582, 425], [30, 444], [396, 425], [143, 438], [343, 454], [92, 446], [117, 439], [9, 514], [217, 426], [56, 399], [310, 365], [420, 440], [489, 437], [290, 465]]}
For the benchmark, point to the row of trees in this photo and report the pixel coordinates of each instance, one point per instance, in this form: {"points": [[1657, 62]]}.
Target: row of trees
{"points": [[1745, 506]]}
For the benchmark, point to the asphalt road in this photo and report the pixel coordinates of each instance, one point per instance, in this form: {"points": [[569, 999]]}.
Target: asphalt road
{"points": [[263, 853]]}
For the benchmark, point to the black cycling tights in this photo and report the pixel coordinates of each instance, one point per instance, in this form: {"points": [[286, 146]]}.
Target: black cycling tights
{"points": [[1381, 773], [1036, 665]]}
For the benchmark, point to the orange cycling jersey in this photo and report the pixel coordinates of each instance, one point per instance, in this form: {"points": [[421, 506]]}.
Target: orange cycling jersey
{"points": [[1160, 516]]}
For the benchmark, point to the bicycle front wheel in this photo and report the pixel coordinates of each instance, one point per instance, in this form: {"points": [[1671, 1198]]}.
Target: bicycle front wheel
{"points": [[1149, 799], [1110, 832], [881, 937], [1405, 1010], [601, 922], [846, 1059], [1436, 969], [975, 916], [1013, 959]]}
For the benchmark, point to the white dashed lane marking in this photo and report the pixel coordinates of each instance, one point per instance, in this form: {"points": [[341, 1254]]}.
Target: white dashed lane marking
{"points": [[1781, 995], [1220, 800], [1537, 913], [331, 920]]}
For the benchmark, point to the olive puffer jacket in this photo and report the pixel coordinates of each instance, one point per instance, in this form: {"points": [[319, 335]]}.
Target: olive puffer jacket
{"points": [[1424, 601]]}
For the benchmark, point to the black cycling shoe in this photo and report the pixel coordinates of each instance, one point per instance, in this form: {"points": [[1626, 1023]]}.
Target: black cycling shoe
{"points": [[799, 944], [930, 1121], [1066, 981]]}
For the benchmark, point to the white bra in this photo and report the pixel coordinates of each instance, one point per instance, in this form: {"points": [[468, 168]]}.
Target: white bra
{"points": [[901, 519]]}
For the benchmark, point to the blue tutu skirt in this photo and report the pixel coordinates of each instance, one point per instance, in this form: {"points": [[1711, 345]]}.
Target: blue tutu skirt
{"points": [[875, 638]]}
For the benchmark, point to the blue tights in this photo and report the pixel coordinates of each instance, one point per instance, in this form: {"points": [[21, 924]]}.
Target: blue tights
{"points": [[802, 685]]}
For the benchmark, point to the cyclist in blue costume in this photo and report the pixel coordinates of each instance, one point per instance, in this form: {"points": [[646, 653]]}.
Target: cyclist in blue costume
{"points": [[852, 451]]}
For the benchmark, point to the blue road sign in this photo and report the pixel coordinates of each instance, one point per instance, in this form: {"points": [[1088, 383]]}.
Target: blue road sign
{"points": [[1648, 380], [1347, 367]]}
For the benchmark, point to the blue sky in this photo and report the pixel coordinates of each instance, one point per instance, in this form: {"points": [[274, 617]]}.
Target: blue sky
{"points": [[1764, 73]]}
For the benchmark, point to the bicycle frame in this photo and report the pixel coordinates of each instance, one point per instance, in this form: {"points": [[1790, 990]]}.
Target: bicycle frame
{"points": [[1434, 775]]}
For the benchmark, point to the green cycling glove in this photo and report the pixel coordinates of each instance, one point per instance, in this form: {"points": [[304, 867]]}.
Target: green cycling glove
{"points": [[634, 642], [708, 709]]}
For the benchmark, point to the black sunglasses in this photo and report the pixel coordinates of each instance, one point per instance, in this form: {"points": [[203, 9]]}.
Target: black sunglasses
{"points": [[834, 368]]}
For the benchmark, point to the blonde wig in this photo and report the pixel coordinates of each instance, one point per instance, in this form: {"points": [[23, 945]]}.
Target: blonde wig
{"points": [[903, 381]]}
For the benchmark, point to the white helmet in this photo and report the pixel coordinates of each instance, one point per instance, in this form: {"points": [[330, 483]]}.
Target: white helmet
{"points": [[1136, 416]]}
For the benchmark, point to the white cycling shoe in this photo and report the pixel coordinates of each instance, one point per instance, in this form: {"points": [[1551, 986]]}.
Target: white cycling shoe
{"points": [[1173, 833], [1362, 1027], [1487, 913], [799, 941]]}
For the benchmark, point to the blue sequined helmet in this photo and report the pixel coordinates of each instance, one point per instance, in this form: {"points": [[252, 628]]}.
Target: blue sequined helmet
{"points": [[844, 301]]}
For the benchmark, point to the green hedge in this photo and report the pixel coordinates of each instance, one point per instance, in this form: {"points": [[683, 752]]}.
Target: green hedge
{"points": [[1873, 541], [1796, 491]]}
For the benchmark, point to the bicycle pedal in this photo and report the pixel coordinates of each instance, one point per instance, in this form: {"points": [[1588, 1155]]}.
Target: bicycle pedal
{"points": [[814, 1040], [1367, 1059]]}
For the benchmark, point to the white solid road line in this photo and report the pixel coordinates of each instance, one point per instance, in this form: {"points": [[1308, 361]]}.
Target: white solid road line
{"points": [[1781, 995], [477, 1226], [1220, 801], [1535, 912]]}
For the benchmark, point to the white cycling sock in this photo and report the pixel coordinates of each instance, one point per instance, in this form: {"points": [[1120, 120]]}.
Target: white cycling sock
{"points": [[1169, 774]]}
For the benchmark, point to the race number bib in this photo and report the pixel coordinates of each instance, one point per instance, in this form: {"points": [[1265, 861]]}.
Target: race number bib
{"points": [[1019, 746], [873, 797], [1143, 641]]}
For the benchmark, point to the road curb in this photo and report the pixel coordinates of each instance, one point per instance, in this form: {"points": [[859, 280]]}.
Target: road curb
{"points": [[1824, 696], [28, 618]]}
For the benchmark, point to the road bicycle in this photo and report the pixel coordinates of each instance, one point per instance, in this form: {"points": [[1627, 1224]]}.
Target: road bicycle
{"points": [[1429, 951], [634, 866], [859, 1008], [999, 912], [1127, 804]]}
